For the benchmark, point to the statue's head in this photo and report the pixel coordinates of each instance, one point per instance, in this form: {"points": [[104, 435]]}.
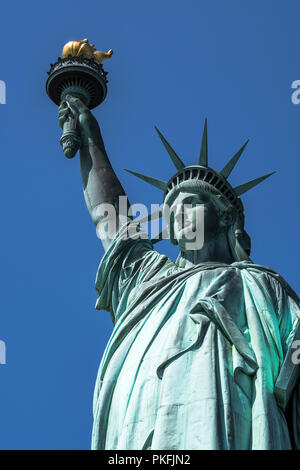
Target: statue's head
{"points": [[200, 198], [196, 210]]}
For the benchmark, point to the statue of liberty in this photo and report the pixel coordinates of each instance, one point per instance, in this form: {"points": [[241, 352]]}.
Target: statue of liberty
{"points": [[198, 344]]}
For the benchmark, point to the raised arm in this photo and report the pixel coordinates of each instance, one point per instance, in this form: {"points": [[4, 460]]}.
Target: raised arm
{"points": [[101, 186]]}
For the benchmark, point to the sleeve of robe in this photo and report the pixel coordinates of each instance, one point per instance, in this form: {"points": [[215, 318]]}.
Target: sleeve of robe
{"points": [[129, 261], [288, 308]]}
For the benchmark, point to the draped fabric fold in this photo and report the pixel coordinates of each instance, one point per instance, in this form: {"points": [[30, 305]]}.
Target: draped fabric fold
{"points": [[194, 354]]}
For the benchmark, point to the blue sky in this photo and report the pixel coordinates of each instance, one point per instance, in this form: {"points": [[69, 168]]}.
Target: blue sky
{"points": [[175, 63]]}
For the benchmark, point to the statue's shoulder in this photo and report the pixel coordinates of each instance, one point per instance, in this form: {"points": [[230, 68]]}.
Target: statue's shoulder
{"points": [[256, 268], [268, 274]]}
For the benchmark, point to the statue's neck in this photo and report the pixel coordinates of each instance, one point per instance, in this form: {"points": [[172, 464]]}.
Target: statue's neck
{"points": [[216, 250]]}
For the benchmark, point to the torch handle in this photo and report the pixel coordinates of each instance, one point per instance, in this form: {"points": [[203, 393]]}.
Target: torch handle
{"points": [[70, 139]]}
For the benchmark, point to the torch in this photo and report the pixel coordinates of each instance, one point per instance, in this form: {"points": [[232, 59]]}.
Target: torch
{"points": [[79, 72]]}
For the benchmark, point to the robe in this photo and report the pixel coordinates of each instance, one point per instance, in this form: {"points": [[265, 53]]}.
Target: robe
{"points": [[194, 354]]}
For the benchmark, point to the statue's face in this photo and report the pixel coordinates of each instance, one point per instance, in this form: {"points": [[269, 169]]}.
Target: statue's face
{"points": [[194, 218]]}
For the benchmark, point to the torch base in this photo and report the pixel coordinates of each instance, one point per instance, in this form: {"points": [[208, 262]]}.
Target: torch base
{"points": [[77, 75]]}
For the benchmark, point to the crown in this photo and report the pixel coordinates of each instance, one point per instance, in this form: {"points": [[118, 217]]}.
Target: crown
{"points": [[203, 173]]}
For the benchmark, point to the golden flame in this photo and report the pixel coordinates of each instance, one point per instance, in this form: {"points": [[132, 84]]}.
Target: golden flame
{"points": [[88, 51]]}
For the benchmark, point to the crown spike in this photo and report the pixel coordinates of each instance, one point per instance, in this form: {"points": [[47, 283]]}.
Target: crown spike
{"points": [[243, 188], [232, 162], [175, 159], [203, 152], [155, 182]]}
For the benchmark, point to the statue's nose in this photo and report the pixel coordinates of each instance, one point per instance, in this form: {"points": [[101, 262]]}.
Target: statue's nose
{"points": [[178, 213]]}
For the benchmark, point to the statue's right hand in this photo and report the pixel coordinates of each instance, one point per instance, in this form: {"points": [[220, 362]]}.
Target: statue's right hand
{"points": [[63, 113], [88, 125]]}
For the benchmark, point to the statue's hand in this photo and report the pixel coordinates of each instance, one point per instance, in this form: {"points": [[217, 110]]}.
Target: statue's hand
{"points": [[87, 124]]}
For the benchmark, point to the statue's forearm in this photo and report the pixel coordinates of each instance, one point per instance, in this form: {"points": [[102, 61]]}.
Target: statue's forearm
{"points": [[100, 183]]}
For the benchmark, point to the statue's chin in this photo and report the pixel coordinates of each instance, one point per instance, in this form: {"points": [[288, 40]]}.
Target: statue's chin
{"points": [[190, 245]]}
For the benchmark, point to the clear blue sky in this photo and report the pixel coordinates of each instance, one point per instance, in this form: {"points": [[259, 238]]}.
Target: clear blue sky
{"points": [[175, 63]]}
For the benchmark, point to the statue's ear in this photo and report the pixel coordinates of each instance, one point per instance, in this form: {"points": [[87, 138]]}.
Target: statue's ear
{"points": [[239, 241], [245, 242]]}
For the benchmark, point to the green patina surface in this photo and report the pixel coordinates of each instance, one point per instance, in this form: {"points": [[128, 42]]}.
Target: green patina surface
{"points": [[194, 355], [198, 344]]}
